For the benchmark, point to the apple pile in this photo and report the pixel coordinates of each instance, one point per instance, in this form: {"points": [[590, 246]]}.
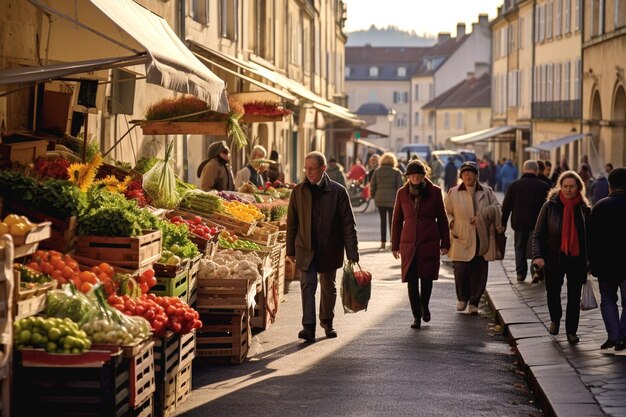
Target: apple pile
{"points": [[197, 226]]}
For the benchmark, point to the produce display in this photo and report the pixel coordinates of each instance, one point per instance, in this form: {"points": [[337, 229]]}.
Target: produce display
{"points": [[230, 264], [230, 241], [64, 269], [16, 225], [202, 201], [197, 227], [242, 211], [52, 334], [163, 313], [175, 239]]}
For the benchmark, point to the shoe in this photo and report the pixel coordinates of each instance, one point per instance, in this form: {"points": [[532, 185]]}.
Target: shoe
{"points": [[461, 305], [426, 314], [331, 333], [554, 328], [472, 310], [521, 278], [620, 345], [608, 344], [535, 279], [307, 335], [416, 324], [382, 245], [572, 339]]}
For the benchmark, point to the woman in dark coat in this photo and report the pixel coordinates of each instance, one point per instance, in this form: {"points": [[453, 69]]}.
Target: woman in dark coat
{"points": [[419, 235], [560, 246]]}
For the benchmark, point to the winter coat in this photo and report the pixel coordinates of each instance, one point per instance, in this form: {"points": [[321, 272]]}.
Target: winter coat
{"points": [[217, 175], [508, 173], [436, 170], [249, 174], [547, 234], [422, 233], [385, 184], [523, 201], [335, 227], [599, 189], [488, 223], [460, 210], [451, 174], [336, 174], [607, 219]]}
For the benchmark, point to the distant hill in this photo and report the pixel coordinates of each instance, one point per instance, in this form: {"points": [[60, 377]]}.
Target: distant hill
{"points": [[389, 36]]}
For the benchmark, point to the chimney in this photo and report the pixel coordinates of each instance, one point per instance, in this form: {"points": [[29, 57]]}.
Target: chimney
{"points": [[442, 37], [481, 68], [460, 30], [483, 19], [470, 75]]}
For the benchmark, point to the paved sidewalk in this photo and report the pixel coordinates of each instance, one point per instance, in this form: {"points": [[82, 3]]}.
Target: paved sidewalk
{"points": [[569, 380]]}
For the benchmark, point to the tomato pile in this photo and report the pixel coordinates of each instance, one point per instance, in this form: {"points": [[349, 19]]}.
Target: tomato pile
{"points": [[196, 226], [163, 313]]}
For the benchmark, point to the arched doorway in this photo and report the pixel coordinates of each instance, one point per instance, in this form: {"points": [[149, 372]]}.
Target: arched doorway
{"points": [[618, 144], [595, 128]]}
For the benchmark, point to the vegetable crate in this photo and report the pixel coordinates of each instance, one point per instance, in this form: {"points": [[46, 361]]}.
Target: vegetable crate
{"points": [[145, 409], [171, 393], [264, 234], [194, 267], [264, 312], [171, 271], [224, 294], [142, 376], [174, 355], [48, 385], [224, 337], [233, 224], [63, 231], [23, 152], [125, 252], [172, 287]]}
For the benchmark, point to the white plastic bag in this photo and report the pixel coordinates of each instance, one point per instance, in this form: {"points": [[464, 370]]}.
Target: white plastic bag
{"points": [[588, 298]]}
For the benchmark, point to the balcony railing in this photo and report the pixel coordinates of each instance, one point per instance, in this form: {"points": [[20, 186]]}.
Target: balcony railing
{"points": [[553, 110]]}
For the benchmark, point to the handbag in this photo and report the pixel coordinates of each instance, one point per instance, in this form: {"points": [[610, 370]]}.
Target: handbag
{"points": [[500, 245], [356, 288], [588, 298]]}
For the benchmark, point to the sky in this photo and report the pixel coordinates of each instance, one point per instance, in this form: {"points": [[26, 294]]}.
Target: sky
{"points": [[423, 16]]}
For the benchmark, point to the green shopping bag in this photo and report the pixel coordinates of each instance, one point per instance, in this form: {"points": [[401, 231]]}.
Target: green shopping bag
{"points": [[356, 288]]}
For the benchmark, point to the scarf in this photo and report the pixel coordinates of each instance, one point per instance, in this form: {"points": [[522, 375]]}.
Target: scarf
{"points": [[415, 192], [569, 235]]}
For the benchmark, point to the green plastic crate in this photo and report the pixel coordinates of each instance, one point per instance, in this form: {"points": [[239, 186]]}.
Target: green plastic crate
{"points": [[172, 287]]}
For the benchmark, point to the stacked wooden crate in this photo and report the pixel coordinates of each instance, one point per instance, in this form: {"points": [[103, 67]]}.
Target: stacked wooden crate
{"points": [[6, 323]]}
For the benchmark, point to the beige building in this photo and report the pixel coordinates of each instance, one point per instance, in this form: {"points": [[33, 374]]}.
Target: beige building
{"points": [[603, 85], [291, 51]]}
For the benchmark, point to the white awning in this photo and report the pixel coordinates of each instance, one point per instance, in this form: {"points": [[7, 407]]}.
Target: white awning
{"points": [[485, 134], [555, 143], [108, 29], [368, 144]]}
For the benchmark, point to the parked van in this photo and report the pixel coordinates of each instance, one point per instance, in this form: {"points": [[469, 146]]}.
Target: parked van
{"points": [[445, 155], [468, 154], [422, 150]]}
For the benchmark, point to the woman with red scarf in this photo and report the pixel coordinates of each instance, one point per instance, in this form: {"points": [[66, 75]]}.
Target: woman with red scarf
{"points": [[560, 246]]}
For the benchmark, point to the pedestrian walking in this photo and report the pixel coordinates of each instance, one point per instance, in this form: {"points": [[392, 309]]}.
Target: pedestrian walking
{"points": [[523, 201], [600, 187], [451, 174], [419, 235], [336, 172], [560, 248], [508, 174], [560, 168], [320, 226], [385, 182], [437, 170], [215, 173], [541, 174], [473, 214], [605, 257]]}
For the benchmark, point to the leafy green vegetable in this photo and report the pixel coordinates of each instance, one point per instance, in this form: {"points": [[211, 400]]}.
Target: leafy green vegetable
{"points": [[173, 234]]}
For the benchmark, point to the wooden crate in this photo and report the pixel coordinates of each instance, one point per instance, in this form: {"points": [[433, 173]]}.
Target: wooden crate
{"points": [[23, 152], [172, 287], [6, 323], [235, 225], [63, 231], [224, 337], [145, 409], [229, 293], [29, 306], [264, 312], [171, 271], [142, 375], [181, 128], [99, 387], [173, 352], [172, 392], [125, 252]]}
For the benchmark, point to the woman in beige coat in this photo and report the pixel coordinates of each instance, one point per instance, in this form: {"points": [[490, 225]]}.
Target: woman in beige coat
{"points": [[473, 214]]}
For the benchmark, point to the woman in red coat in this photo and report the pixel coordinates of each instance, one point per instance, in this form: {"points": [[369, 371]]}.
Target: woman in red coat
{"points": [[419, 235]]}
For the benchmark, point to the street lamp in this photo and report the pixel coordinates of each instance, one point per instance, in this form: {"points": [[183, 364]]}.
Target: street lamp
{"points": [[391, 116]]}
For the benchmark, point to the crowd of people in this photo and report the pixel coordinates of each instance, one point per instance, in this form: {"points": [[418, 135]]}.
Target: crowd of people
{"points": [[560, 217]]}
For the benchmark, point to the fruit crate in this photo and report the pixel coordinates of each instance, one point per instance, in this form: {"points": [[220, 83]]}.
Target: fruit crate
{"points": [[145, 409], [93, 383], [172, 287], [30, 306], [224, 294], [240, 227], [142, 375], [125, 252], [171, 271], [63, 231], [171, 393], [224, 337]]}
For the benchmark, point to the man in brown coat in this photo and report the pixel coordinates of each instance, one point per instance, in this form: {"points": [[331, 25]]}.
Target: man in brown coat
{"points": [[320, 226]]}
